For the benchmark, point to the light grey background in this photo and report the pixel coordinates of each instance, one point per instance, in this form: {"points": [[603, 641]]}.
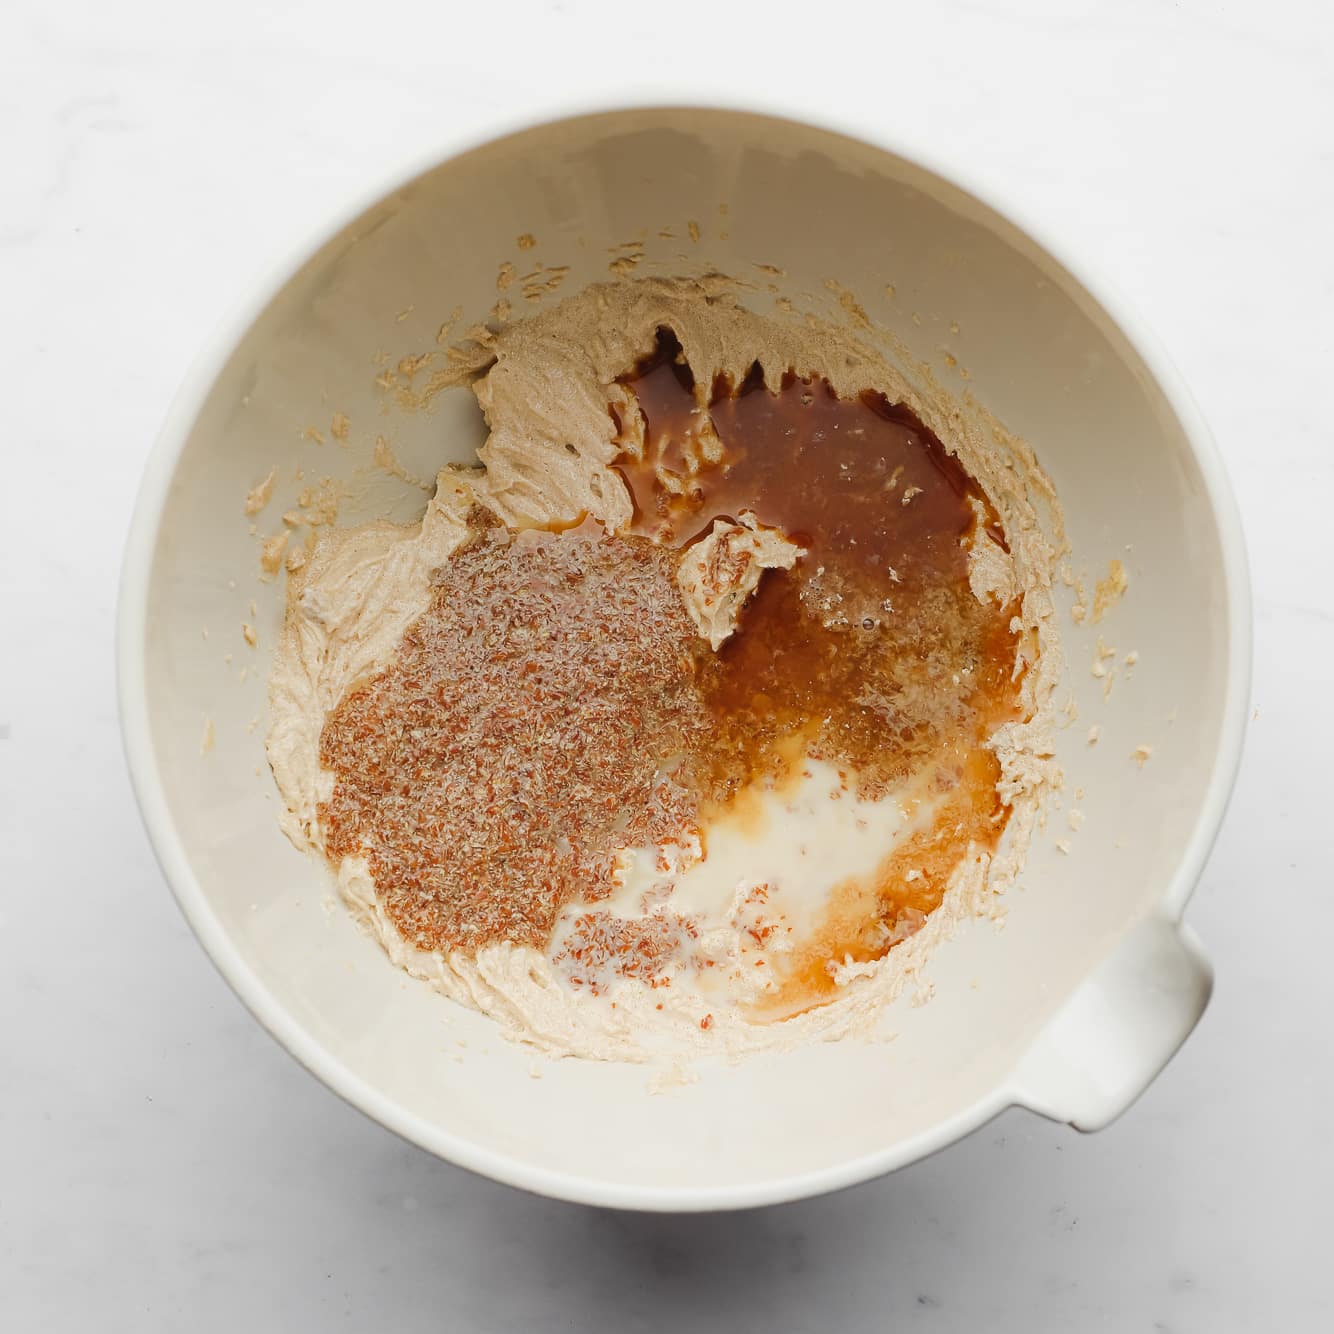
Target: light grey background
{"points": [[162, 1164]]}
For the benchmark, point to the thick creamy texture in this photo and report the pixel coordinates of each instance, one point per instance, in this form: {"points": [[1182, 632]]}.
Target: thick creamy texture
{"points": [[722, 570], [559, 417]]}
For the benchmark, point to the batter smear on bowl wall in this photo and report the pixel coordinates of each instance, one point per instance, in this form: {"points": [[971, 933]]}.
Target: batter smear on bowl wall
{"points": [[704, 706]]}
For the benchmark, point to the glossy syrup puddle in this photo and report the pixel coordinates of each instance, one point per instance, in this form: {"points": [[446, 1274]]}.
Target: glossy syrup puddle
{"points": [[872, 653]]}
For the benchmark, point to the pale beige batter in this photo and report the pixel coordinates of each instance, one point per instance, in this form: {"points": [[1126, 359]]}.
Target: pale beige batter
{"points": [[558, 418]]}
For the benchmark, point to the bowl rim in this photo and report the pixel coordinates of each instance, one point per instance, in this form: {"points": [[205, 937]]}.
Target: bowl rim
{"points": [[132, 614]]}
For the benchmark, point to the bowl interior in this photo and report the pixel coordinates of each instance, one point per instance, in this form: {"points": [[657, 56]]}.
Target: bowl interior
{"points": [[679, 191]]}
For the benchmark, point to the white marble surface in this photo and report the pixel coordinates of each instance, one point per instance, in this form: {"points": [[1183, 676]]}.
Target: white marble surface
{"points": [[163, 1165]]}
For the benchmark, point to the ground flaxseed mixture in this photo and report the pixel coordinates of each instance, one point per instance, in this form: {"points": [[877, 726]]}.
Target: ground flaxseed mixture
{"points": [[519, 739]]}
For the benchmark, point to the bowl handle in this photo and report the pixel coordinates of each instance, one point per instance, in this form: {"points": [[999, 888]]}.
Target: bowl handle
{"points": [[1124, 1023]]}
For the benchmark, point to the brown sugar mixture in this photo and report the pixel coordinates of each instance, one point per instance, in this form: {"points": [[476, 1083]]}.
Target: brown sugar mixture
{"points": [[555, 703]]}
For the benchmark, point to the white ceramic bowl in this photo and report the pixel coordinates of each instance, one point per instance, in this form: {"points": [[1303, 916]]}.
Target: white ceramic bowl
{"points": [[1071, 1010]]}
